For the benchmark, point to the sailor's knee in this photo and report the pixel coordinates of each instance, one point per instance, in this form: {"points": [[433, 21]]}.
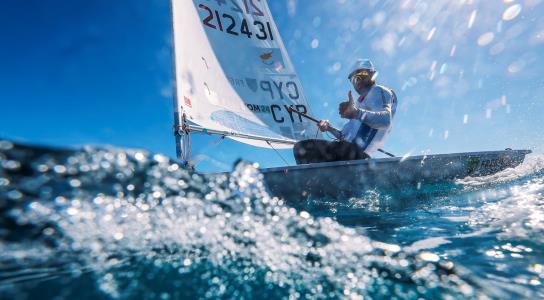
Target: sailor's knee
{"points": [[299, 149]]}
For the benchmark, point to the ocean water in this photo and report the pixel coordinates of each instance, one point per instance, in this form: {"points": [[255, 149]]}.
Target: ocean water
{"points": [[105, 223]]}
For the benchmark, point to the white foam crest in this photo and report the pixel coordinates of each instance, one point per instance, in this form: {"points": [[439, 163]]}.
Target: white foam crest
{"points": [[532, 164], [519, 216]]}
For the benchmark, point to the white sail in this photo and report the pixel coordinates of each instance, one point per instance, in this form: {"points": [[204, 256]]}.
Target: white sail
{"points": [[233, 74]]}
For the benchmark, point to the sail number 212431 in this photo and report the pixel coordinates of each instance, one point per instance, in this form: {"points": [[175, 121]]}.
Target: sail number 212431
{"points": [[229, 24]]}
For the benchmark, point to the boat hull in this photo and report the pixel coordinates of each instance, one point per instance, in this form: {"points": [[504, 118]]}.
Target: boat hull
{"points": [[339, 180]]}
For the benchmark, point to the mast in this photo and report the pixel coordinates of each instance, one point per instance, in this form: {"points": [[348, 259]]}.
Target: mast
{"points": [[178, 117]]}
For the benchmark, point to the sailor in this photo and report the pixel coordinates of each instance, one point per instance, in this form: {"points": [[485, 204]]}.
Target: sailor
{"points": [[370, 120]]}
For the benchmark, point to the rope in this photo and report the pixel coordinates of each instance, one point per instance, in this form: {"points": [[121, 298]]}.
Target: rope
{"points": [[277, 152]]}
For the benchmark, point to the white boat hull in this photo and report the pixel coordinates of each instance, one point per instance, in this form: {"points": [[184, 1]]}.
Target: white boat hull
{"points": [[339, 180]]}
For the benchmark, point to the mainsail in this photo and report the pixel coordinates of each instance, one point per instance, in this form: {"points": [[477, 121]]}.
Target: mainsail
{"points": [[233, 74]]}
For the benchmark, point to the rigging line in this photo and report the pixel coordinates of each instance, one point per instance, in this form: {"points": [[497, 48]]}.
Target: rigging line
{"points": [[329, 135], [218, 141], [277, 152]]}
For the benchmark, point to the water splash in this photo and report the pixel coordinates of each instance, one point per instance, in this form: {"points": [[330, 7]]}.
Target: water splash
{"points": [[129, 224], [533, 164]]}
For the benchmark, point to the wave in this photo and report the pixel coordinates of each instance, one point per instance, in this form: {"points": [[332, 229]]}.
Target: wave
{"points": [[532, 165], [126, 223], [517, 212]]}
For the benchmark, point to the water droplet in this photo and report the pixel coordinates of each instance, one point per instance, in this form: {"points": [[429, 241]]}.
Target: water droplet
{"points": [[431, 34], [60, 200], [428, 256], [472, 18], [5, 145], [4, 182], [173, 168], [453, 50], [118, 236], [59, 169], [433, 66], [497, 49], [48, 231], [75, 183], [72, 211], [443, 68], [511, 12], [11, 165], [516, 66], [139, 156], [536, 268], [14, 195], [535, 282], [499, 26], [413, 20], [335, 67], [485, 39], [504, 100]]}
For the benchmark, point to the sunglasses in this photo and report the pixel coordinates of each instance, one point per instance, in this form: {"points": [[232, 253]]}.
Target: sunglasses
{"points": [[355, 78]]}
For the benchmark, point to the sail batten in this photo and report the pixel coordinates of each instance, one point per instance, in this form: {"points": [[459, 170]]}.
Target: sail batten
{"points": [[233, 75]]}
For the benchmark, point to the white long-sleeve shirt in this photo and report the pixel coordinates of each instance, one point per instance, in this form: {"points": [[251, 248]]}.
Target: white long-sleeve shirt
{"points": [[377, 109]]}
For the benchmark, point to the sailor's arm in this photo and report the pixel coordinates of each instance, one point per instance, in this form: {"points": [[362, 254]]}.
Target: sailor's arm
{"points": [[325, 126], [375, 119], [378, 119], [337, 133]]}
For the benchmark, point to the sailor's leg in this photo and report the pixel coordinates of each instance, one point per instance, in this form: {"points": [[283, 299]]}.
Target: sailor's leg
{"points": [[346, 151], [299, 151], [313, 151]]}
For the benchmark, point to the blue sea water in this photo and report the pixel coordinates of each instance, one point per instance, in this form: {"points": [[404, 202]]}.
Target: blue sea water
{"points": [[105, 223]]}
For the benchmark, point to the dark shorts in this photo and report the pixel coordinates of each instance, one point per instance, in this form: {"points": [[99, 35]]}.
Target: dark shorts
{"points": [[316, 151]]}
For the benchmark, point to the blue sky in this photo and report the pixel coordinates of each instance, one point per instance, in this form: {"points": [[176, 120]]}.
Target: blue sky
{"points": [[469, 74]]}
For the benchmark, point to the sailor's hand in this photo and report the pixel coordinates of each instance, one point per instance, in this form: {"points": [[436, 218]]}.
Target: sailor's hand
{"points": [[324, 125], [350, 98], [348, 110]]}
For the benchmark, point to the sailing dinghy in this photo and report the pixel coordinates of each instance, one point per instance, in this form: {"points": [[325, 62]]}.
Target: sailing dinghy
{"points": [[234, 78]]}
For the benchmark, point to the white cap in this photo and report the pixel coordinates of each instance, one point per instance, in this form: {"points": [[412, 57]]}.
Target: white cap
{"points": [[362, 64]]}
